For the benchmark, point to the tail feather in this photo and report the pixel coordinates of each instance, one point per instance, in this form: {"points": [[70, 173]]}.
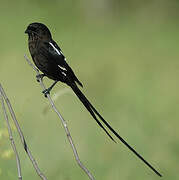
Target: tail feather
{"points": [[94, 112], [124, 142], [85, 102]]}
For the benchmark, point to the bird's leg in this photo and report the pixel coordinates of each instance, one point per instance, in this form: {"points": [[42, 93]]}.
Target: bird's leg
{"points": [[47, 91], [39, 76]]}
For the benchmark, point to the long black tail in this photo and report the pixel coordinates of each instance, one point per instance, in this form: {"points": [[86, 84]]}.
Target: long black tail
{"points": [[94, 112]]}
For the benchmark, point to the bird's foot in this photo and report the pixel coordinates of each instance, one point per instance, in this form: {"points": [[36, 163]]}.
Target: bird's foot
{"points": [[46, 92], [39, 76]]}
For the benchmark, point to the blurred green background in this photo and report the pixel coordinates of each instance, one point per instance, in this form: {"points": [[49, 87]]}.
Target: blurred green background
{"points": [[126, 54]]}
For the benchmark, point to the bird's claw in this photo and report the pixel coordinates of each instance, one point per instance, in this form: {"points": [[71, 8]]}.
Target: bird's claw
{"points": [[39, 76], [46, 92]]}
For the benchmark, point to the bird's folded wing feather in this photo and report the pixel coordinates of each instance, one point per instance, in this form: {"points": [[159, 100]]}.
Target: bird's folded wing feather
{"points": [[55, 54]]}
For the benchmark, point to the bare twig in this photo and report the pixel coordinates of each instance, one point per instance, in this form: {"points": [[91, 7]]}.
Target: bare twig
{"points": [[11, 138], [3, 94], [63, 122]]}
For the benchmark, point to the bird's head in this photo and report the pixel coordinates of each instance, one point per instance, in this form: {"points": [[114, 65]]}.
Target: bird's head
{"points": [[38, 29]]}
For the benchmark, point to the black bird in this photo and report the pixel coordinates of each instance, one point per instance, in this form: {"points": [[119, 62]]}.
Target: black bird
{"points": [[49, 59]]}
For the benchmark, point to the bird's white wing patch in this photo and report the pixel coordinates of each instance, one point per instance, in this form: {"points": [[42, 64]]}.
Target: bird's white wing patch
{"points": [[63, 73], [64, 69], [58, 52]]}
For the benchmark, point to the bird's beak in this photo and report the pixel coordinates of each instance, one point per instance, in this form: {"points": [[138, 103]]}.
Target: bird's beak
{"points": [[26, 31]]}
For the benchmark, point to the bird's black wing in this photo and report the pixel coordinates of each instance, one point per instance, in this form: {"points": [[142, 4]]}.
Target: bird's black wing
{"points": [[56, 55]]}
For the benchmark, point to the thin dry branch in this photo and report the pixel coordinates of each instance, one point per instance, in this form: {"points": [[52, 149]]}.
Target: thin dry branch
{"points": [[3, 94], [11, 138], [63, 122]]}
